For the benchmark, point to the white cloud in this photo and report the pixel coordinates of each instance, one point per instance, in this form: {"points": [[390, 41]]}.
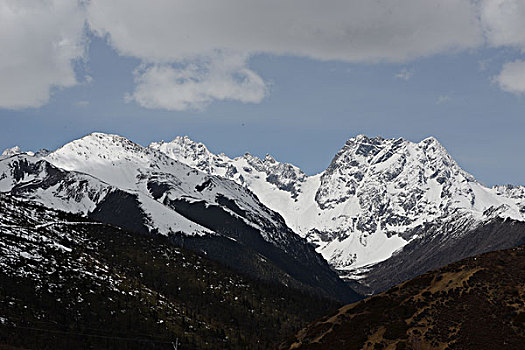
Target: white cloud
{"points": [[347, 30], [404, 74], [39, 42], [192, 86], [512, 77], [443, 99], [166, 33], [504, 22]]}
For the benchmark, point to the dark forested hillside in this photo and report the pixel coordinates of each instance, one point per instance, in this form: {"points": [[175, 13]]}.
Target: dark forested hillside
{"points": [[477, 303], [70, 284]]}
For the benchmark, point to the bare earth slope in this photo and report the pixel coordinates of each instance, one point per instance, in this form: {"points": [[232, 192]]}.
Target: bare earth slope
{"points": [[476, 303]]}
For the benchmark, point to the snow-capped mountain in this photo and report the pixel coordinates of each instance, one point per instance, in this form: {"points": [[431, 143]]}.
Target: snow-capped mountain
{"points": [[370, 201], [245, 170], [10, 152], [157, 179], [113, 180]]}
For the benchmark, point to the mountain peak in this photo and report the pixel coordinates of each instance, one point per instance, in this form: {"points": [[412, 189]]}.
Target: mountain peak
{"points": [[185, 150], [97, 153], [99, 140], [11, 151], [181, 144], [431, 143], [185, 140], [104, 137], [269, 158], [99, 145], [363, 139], [430, 139]]}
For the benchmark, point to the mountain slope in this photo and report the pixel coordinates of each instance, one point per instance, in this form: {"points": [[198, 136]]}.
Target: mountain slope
{"points": [[67, 282], [113, 180], [369, 202], [477, 303], [437, 245]]}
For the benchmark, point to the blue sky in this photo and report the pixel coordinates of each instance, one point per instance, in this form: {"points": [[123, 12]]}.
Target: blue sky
{"points": [[300, 106]]}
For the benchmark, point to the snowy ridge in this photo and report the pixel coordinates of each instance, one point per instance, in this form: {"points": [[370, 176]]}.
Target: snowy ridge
{"points": [[13, 151], [98, 164], [129, 166], [516, 193], [10, 152], [35, 179], [245, 170], [365, 205]]}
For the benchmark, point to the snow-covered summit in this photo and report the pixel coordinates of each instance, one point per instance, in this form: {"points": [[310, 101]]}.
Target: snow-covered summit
{"points": [[365, 204], [159, 181], [247, 170], [11, 152], [83, 174], [111, 158]]}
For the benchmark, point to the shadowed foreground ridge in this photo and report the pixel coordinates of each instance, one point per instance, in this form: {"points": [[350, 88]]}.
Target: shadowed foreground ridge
{"points": [[70, 283], [476, 303]]}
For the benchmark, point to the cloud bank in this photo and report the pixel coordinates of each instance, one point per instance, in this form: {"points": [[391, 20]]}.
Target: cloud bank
{"points": [[192, 86], [347, 30], [504, 22], [39, 41], [188, 33], [195, 52], [512, 77]]}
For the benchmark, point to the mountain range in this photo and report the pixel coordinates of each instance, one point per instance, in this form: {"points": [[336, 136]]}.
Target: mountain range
{"points": [[379, 201], [360, 209], [113, 180]]}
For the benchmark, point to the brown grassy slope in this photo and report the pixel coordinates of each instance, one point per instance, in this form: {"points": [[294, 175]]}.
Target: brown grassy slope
{"points": [[476, 303]]}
